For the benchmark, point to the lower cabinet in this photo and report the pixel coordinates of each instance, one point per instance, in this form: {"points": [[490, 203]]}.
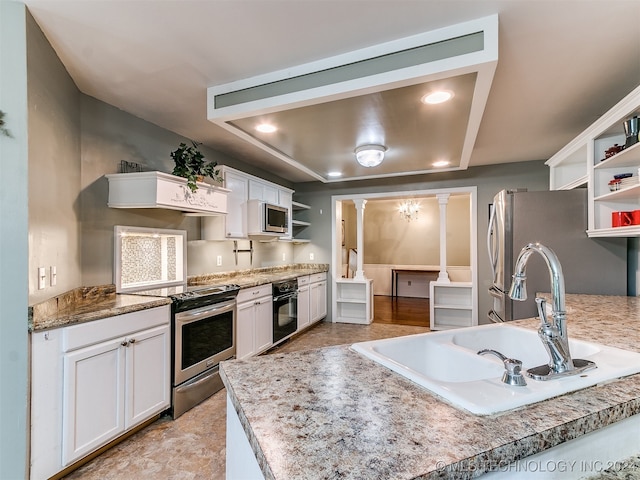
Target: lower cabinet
{"points": [[254, 320], [318, 301], [304, 318], [95, 381]]}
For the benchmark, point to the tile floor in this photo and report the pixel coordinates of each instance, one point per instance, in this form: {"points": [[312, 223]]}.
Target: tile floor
{"points": [[192, 447]]}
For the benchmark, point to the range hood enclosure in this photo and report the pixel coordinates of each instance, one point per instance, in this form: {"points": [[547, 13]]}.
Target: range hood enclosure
{"points": [[162, 190]]}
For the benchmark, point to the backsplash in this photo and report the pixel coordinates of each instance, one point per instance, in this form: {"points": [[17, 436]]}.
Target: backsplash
{"points": [[145, 258]]}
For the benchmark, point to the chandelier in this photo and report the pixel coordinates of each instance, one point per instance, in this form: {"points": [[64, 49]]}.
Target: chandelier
{"points": [[409, 210]]}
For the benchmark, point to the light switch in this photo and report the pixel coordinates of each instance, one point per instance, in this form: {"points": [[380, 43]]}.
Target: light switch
{"points": [[284, 257], [219, 260], [53, 278], [311, 256], [42, 277]]}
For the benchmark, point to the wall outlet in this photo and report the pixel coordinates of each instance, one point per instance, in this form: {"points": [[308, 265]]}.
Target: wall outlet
{"points": [[284, 257], [42, 277], [219, 260], [311, 256], [53, 276]]}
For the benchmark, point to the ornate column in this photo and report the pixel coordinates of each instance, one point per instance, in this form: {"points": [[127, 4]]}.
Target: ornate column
{"points": [[443, 200], [360, 203]]}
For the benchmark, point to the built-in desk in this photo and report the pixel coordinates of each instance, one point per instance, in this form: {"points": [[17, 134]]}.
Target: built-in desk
{"points": [[396, 271]]}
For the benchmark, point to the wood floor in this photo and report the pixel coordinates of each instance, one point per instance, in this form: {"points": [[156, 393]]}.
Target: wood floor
{"points": [[401, 310]]}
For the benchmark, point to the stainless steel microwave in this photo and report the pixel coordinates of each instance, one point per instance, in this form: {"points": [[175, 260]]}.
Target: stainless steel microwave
{"points": [[267, 218]]}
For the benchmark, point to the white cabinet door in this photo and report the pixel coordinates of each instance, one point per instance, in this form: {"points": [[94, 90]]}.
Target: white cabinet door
{"points": [[148, 361], [263, 324], [321, 298], [303, 307], [93, 400], [236, 218], [255, 327], [266, 192], [245, 314], [318, 300]]}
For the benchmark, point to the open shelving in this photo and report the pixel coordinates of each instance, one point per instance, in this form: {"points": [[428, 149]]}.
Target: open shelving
{"points": [[583, 161]]}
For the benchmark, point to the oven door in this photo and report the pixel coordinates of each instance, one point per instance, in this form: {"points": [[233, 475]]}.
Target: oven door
{"points": [[203, 338], [285, 316]]}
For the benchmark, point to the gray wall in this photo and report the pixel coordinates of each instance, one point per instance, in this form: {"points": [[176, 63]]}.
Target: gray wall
{"points": [[488, 179], [14, 260]]}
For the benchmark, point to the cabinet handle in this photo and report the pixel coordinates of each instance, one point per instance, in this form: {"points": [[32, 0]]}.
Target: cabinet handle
{"points": [[124, 343], [133, 340]]}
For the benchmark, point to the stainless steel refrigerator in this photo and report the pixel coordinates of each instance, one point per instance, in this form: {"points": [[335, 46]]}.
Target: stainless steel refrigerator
{"points": [[558, 220]]}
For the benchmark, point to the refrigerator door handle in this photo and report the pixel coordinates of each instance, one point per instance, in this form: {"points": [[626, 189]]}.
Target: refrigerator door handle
{"points": [[492, 242]]}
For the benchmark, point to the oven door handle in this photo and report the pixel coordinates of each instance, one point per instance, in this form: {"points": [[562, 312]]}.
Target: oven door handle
{"points": [[285, 296], [216, 309]]}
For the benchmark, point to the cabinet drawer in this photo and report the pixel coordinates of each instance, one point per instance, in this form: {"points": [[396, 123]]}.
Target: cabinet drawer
{"points": [[317, 277], [78, 336], [247, 294], [303, 280]]}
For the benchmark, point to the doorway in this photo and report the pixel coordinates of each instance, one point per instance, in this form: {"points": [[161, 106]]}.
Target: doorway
{"points": [[394, 240]]}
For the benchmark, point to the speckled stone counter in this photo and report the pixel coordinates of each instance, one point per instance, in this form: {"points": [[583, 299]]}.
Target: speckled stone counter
{"points": [[259, 276], [331, 413], [86, 304]]}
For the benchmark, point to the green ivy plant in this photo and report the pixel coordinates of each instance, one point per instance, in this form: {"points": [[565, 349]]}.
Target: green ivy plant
{"points": [[3, 129], [190, 164]]}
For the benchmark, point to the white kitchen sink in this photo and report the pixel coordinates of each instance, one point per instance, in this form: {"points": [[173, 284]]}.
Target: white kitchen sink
{"points": [[447, 364]]}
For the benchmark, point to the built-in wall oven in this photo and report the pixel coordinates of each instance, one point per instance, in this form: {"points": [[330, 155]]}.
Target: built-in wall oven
{"points": [[204, 334], [285, 309]]}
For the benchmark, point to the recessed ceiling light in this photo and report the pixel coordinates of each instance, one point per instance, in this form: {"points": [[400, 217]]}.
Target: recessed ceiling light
{"points": [[266, 128], [437, 97], [440, 163], [334, 174]]}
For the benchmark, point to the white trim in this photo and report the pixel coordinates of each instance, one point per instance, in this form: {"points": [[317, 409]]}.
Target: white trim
{"points": [[336, 260]]}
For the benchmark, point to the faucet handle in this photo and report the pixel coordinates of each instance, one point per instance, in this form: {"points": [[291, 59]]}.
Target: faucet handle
{"points": [[541, 303]]}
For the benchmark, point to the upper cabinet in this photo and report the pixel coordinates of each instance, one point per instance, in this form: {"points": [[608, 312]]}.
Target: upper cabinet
{"points": [[162, 190], [605, 158], [243, 188]]}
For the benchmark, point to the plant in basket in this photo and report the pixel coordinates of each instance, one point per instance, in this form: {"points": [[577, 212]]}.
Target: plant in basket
{"points": [[190, 164]]}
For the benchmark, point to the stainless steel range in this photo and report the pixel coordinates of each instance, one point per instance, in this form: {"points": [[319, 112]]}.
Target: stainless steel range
{"points": [[204, 334]]}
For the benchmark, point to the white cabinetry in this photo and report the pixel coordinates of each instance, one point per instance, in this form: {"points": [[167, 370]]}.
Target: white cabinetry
{"points": [[451, 305], [263, 191], [242, 188], [583, 161], [254, 321], [304, 318], [317, 297], [162, 190], [234, 224], [354, 302], [111, 375]]}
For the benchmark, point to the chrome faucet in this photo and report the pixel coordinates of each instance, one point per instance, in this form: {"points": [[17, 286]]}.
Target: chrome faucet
{"points": [[553, 334]]}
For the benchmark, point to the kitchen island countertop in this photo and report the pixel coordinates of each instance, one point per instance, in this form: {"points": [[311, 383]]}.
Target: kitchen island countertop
{"points": [[332, 413]]}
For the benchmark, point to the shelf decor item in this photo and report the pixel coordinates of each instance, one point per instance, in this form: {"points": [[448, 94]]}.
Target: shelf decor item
{"points": [[190, 164]]}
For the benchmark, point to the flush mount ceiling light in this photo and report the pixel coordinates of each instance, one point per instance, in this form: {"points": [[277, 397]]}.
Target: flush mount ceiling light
{"points": [[441, 163], [334, 174], [409, 210], [266, 128], [434, 98], [370, 155]]}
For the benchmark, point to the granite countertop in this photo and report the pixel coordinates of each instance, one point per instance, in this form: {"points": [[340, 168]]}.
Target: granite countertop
{"points": [[259, 276], [86, 304], [332, 413]]}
